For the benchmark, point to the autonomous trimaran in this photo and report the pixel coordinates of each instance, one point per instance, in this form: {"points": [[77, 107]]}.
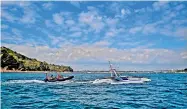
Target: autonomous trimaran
{"points": [[117, 77]]}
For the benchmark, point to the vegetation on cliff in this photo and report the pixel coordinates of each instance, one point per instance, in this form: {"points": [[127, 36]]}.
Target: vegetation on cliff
{"points": [[184, 70], [11, 60]]}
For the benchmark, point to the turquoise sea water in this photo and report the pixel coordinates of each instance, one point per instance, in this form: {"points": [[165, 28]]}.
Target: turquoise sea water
{"points": [[90, 91]]}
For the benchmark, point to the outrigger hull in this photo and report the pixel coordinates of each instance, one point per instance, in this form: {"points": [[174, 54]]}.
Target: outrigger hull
{"points": [[63, 79]]}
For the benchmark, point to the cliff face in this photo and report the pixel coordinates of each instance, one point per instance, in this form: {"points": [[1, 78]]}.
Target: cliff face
{"points": [[11, 60]]}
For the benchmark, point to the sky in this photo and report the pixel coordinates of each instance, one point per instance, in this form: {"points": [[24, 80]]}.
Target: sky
{"points": [[86, 35]]}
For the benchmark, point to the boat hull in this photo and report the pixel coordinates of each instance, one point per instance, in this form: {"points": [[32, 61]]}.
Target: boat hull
{"points": [[63, 79]]}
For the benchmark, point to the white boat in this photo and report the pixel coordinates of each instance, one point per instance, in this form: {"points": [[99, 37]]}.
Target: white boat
{"points": [[117, 77]]}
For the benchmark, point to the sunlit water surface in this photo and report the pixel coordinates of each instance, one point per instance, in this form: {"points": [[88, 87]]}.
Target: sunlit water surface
{"points": [[90, 91]]}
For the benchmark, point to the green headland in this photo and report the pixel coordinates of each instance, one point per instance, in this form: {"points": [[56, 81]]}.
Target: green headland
{"points": [[11, 60]]}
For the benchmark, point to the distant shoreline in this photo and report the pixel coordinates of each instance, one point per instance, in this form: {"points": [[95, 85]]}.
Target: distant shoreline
{"points": [[12, 71]]}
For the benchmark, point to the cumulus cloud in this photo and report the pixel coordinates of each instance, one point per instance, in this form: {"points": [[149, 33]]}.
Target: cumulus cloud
{"points": [[111, 33], [3, 26], [75, 3], [70, 22], [97, 29], [93, 53], [76, 34], [8, 16], [75, 28], [149, 28], [29, 16], [92, 19], [20, 3], [135, 30], [101, 44], [179, 7], [112, 22], [48, 5], [16, 32], [160, 4], [58, 19], [182, 32], [48, 23], [125, 11], [140, 10], [184, 55]]}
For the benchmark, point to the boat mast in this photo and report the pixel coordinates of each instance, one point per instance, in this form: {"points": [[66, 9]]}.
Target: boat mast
{"points": [[113, 71]]}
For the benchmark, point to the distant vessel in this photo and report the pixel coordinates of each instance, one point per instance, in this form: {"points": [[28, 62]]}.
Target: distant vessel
{"points": [[117, 77]]}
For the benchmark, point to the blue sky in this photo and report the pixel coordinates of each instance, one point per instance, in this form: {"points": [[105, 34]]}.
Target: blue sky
{"points": [[86, 35]]}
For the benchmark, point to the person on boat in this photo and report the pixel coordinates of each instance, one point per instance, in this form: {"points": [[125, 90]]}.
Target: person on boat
{"points": [[52, 78], [59, 76]]}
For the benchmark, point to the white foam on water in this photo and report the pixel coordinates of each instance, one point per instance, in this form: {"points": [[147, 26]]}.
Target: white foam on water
{"points": [[128, 82], [62, 82], [145, 79], [24, 81], [83, 82], [99, 81]]}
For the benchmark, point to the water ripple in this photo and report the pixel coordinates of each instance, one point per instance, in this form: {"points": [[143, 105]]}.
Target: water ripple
{"points": [[86, 91]]}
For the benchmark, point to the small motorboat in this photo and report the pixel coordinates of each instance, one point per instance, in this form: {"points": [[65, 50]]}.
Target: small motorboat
{"points": [[59, 78]]}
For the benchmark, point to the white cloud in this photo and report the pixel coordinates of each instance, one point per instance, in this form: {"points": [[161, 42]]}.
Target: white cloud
{"points": [[114, 32], [58, 19], [101, 44], [184, 55], [70, 22], [135, 30], [18, 3], [29, 16], [169, 15], [73, 54], [182, 32], [125, 11], [179, 7], [16, 32], [56, 40], [179, 22], [48, 5], [3, 26], [75, 28], [48, 23], [149, 28], [86, 17], [142, 10], [8, 16], [111, 33], [92, 19], [75, 3], [160, 4], [112, 22], [76, 34], [114, 7]]}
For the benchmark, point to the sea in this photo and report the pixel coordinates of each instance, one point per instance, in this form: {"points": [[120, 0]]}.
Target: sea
{"points": [[91, 91]]}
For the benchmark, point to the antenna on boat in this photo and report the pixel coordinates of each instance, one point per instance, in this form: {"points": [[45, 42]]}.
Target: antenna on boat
{"points": [[113, 71]]}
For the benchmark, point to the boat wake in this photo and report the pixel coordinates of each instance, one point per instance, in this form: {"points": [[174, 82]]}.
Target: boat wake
{"points": [[23, 81], [97, 81], [34, 81]]}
